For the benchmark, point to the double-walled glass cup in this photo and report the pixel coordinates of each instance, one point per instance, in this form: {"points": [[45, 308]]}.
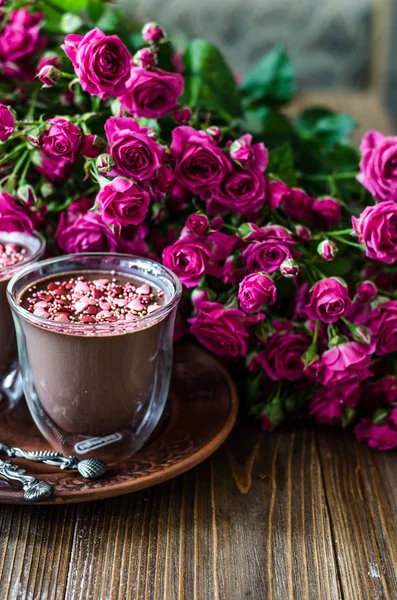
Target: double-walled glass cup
{"points": [[10, 382], [96, 389]]}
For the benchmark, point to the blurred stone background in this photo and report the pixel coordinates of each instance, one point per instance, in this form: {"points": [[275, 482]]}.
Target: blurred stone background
{"points": [[334, 44]]}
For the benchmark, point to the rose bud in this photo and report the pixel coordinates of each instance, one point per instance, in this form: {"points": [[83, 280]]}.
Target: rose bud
{"points": [[104, 163], [6, 122], [197, 224], [327, 249], [215, 133], [49, 75], [361, 334], [47, 189], [241, 152], [153, 33], [366, 290], [49, 58], [304, 234], [27, 195], [145, 58], [289, 268], [182, 115]]}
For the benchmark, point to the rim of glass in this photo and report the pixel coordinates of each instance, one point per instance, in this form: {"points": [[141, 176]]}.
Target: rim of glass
{"points": [[148, 319], [8, 272]]}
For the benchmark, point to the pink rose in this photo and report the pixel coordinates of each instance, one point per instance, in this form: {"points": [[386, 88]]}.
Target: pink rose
{"points": [[221, 330], [296, 203], [381, 437], [200, 164], [386, 328], [282, 356], [329, 300], [198, 224], [14, 217], [326, 213], [344, 363], [376, 227], [53, 167], [152, 93], [189, 259], [87, 233], [252, 156], [328, 403], [274, 245], [20, 40], [182, 116], [102, 63], [366, 291], [242, 191], [123, 202], [378, 172], [63, 139], [6, 122], [135, 153], [255, 290]]}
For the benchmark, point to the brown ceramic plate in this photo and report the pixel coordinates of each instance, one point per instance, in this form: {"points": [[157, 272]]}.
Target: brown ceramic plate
{"points": [[201, 411]]}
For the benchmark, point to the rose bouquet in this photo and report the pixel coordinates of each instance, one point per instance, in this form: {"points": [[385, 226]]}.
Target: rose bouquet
{"points": [[283, 235]]}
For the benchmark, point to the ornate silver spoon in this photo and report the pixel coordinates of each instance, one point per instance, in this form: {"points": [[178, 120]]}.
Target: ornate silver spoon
{"points": [[34, 490], [90, 468]]}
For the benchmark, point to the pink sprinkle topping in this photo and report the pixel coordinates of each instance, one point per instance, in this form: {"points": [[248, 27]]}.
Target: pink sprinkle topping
{"points": [[12, 254], [78, 300]]}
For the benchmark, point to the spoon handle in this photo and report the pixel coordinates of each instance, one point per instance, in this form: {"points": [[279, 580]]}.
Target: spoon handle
{"points": [[49, 457], [34, 490]]}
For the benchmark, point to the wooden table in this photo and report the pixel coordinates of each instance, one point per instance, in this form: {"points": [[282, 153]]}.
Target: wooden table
{"points": [[305, 514]]}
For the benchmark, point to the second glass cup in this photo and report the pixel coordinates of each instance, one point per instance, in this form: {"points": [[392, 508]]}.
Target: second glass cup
{"points": [[16, 251], [96, 388]]}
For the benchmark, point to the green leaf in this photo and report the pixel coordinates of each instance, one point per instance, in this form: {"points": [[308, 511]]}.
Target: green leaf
{"points": [[271, 80], [209, 82], [308, 119], [329, 127], [273, 127], [95, 10], [54, 10], [281, 165], [341, 265]]}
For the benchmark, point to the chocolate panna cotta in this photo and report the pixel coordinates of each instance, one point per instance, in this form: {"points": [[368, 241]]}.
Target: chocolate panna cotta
{"points": [[11, 255], [94, 352]]}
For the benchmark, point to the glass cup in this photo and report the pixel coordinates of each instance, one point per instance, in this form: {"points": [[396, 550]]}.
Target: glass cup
{"points": [[96, 389], [10, 381]]}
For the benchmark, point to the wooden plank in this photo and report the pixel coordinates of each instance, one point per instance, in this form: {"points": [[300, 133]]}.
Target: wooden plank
{"points": [[251, 522], [362, 499], [34, 551]]}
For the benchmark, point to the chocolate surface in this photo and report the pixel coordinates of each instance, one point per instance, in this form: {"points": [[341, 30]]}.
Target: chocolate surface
{"points": [[88, 381]]}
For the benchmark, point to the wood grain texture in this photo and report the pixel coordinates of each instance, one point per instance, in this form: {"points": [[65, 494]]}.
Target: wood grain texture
{"points": [[302, 514]]}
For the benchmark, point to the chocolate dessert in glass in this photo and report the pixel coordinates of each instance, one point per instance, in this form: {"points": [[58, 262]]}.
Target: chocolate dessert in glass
{"points": [[16, 251], [95, 346]]}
